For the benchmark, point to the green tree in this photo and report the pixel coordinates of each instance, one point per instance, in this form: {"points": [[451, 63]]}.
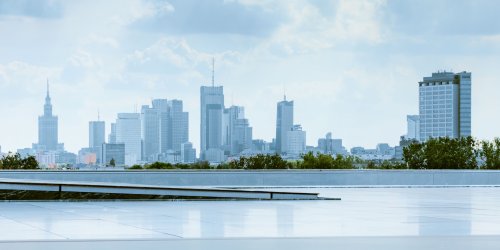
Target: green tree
{"points": [[136, 166], [112, 162], [15, 161], [490, 153], [414, 156]]}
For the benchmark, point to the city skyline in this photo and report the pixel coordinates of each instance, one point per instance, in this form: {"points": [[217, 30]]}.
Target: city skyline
{"points": [[360, 82]]}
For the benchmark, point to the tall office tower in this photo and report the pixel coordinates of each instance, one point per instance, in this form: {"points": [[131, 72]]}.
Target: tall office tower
{"points": [[112, 134], [96, 134], [445, 105], [150, 133], [237, 133], [413, 127], [179, 125], [296, 141], [96, 137], [164, 123], [128, 132], [47, 126], [284, 123], [212, 107]]}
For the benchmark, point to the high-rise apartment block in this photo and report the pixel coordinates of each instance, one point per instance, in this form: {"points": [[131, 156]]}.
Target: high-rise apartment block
{"points": [[445, 105]]}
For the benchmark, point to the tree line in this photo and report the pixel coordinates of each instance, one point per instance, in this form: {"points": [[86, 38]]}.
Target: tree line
{"points": [[453, 153], [15, 161]]}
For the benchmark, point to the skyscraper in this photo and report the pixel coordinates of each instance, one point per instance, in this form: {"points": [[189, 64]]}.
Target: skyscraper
{"points": [[96, 137], [296, 141], [96, 134], [284, 123], [413, 127], [212, 108], [237, 133], [47, 127], [445, 105], [179, 125], [150, 133], [128, 132]]}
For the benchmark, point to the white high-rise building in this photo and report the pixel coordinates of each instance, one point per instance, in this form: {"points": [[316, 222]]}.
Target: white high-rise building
{"points": [[212, 108], [128, 132], [413, 127], [296, 141], [284, 123], [445, 105]]}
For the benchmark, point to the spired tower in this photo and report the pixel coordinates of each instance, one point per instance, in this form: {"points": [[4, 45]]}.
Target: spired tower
{"points": [[47, 126]]}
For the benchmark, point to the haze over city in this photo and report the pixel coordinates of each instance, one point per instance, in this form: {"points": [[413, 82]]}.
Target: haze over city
{"points": [[351, 67]]}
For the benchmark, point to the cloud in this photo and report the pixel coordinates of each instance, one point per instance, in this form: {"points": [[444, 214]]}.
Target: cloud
{"points": [[210, 17], [23, 76], [36, 9], [314, 26], [452, 18]]}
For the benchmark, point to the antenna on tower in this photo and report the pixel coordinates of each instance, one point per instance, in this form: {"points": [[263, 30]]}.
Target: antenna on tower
{"points": [[284, 93], [98, 115], [47, 86], [213, 71]]}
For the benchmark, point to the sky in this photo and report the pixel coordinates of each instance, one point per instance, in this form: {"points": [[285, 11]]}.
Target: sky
{"points": [[351, 67]]}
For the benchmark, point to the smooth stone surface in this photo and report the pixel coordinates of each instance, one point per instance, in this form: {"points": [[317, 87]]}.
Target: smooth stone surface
{"points": [[471, 211]]}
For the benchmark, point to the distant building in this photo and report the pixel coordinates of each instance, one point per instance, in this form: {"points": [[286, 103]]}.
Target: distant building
{"points": [[47, 127], [382, 152], [114, 152], [296, 140], [128, 132], [112, 134], [413, 127], [88, 156], [284, 124], [25, 152], [150, 133], [65, 158], [331, 146], [445, 105], [212, 108], [179, 125], [97, 132], [237, 133], [165, 126], [188, 153]]}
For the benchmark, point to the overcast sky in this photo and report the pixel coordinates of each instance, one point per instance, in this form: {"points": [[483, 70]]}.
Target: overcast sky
{"points": [[352, 67]]}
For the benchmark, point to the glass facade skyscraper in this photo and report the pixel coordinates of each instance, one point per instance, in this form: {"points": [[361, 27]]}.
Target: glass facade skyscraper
{"points": [[445, 105], [212, 108], [284, 123]]}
